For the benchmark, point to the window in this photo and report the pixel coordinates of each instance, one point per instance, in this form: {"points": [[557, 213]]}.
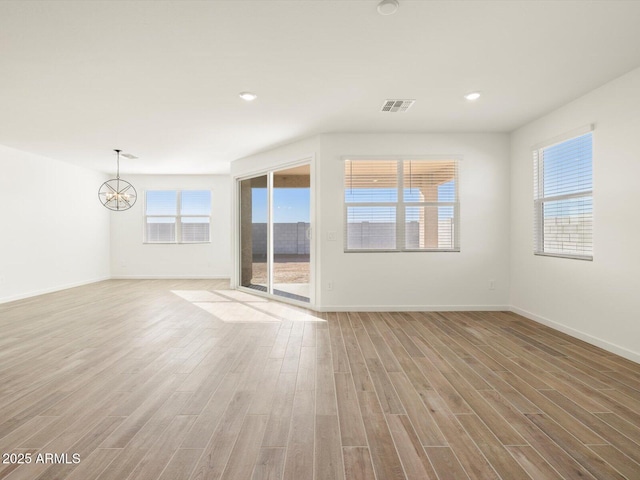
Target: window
{"points": [[401, 205], [173, 216], [563, 197]]}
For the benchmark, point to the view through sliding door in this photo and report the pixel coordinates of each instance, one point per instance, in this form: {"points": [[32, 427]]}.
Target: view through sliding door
{"points": [[254, 252], [275, 233]]}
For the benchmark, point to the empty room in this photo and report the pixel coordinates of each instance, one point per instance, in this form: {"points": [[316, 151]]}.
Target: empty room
{"points": [[320, 239]]}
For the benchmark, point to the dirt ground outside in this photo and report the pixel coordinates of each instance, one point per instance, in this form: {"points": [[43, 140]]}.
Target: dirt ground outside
{"points": [[286, 269]]}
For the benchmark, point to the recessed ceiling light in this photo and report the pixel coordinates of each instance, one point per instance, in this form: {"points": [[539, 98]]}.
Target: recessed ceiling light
{"points": [[388, 7], [472, 96], [248, 96]]}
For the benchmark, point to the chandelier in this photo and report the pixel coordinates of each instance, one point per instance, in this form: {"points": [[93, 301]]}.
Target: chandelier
{"points": [[117, 194]]}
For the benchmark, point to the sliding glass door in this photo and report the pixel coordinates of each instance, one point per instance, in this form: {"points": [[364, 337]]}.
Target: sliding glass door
{"points": [[275, 233], [292, 232]]}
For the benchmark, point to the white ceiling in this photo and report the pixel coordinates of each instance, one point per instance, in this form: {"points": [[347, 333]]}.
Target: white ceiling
{"points": [[161, 79]]}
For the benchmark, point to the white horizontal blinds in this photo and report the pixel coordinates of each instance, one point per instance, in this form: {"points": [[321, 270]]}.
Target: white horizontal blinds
{"points": [[371, 197], [563, 198], [398, 205], [160, 216], [430, 194], [371, 181], [538, 177], [194, 229], [371, 228], [173, 216], [195, 215]]}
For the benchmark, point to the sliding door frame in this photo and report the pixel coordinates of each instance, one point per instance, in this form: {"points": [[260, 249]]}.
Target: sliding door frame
{"points": [[237, 264]]}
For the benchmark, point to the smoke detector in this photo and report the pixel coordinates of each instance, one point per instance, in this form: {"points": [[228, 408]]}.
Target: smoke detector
{"points": [[388, 7], [397, 105]]}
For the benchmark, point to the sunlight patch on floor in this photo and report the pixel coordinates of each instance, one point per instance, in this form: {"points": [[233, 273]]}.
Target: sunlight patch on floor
{"points": [[234, 312], [200, 296], [232, 306], [241, 296]]}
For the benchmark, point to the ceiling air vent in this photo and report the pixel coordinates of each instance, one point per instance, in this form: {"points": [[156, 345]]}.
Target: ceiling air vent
{"points": [[393, 106]]}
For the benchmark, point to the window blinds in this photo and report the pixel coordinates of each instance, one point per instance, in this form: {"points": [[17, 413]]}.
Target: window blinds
{"points": [[401, 205], [173, 216], [160, 216], [194, 229], [563, 198], [431, 203], [371, 195], [195, 211]]}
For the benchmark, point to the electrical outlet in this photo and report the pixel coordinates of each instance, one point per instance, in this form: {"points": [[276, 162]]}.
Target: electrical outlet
{"points": [[492, 284], [332, 236], [329, 285]]}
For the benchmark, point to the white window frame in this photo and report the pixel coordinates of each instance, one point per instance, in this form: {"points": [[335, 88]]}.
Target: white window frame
{"points": [[538, 191], [177, 216], [401, 204]]}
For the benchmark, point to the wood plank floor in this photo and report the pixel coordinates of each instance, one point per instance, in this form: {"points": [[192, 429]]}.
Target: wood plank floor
{"points": [[161, 379]]}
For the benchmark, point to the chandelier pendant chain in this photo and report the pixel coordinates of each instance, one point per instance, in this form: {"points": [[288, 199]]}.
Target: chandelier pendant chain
{"points": [[118, 164]]}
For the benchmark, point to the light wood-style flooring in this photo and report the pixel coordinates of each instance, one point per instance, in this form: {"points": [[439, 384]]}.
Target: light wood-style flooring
{"points": [[171, 380]]}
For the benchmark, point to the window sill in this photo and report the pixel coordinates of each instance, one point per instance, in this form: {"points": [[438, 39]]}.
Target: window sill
{"points": [[175, 243], [405, 251], [588, 258]]}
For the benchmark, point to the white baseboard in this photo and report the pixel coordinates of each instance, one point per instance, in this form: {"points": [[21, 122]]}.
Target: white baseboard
{"points": [[413, 308], [598, 342], [170, 277], [58, 288]]}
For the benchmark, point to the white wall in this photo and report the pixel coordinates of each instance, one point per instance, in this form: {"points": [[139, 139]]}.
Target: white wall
{"points": [[397, 281], [420, 280], [55, 233], [597, 301], [131, 258], [275, 157]]}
